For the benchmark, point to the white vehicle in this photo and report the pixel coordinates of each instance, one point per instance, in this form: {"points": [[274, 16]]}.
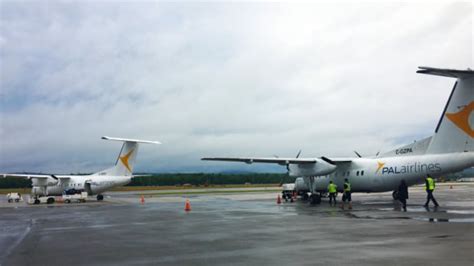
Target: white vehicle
{"points": [[94, 184], [449, 150], [287, 191], [78, 197], [37, 199], [14, 197]]}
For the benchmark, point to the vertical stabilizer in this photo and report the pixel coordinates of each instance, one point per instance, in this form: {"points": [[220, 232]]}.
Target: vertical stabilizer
{"points": [[126, 159], [454, 132]]}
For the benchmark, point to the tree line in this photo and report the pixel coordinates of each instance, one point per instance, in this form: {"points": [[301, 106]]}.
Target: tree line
{"points": [[195, 179]]}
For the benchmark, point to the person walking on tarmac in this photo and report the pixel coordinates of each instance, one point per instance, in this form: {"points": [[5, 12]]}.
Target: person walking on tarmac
{"points": [[347, 194], [332, 190], [430, 186], [403, 194]]}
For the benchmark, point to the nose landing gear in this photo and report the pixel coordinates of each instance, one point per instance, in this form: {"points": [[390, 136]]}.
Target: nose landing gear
{"points": [[315, 198], [100, 197]]}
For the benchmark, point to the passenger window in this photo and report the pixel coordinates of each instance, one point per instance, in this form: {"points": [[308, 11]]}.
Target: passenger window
{"points": [[362, 173], [357, 173]]}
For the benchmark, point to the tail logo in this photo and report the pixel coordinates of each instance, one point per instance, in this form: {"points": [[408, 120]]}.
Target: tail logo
{"points": [[380, 166], [124, 160], [461, 119]]}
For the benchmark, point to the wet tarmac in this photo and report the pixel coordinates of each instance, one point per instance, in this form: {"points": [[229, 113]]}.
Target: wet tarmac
{"points": [[241, 229]]}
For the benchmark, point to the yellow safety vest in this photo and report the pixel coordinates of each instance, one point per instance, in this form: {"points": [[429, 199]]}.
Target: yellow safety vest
{"points": [[348, 189], [430, 184], [332, 188]]}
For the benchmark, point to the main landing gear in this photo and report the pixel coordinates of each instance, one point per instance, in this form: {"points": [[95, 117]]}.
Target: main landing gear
{"points": [[315, 198], [100, 197], [395, 195]]}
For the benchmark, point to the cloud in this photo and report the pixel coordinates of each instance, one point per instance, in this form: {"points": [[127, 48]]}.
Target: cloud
{"points": [[228, 79]]}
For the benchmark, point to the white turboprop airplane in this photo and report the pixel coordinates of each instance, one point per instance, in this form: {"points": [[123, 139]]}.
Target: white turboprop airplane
{"points": [[449, 150], [94, 184]]}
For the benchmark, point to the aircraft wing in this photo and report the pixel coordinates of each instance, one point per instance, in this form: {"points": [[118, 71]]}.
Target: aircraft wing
{"points": [[144, 175], [281, 161], [337, 161], [249, 160], [38, 176]]}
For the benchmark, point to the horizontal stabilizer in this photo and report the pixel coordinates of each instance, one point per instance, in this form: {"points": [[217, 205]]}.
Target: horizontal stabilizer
{"points": [[131, 140], [452, 73]]}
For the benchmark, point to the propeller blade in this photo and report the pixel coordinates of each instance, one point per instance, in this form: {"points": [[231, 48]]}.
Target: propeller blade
{"points": [[358, 155], [298, 155]]}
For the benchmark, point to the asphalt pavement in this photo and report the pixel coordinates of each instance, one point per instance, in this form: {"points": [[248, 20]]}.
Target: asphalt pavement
{"points": [[246, 228]]}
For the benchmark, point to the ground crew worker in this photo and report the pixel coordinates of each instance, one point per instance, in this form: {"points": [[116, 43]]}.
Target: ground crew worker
{"points": [[347, 194], [403, 194], [332, 190], [430, 186]]}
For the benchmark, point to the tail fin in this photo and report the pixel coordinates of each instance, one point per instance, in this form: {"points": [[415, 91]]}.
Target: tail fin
{"points": [[126, 159], [454, 132]]}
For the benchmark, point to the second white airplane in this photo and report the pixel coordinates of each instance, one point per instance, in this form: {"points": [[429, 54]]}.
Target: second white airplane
{"points": [[449, 150], [94, 184]]}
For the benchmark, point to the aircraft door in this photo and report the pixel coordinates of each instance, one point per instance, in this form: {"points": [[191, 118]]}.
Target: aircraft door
{"points": [[87, 187]]}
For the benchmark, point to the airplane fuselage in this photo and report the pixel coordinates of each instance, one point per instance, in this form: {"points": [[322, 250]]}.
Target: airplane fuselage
{"points": [[92, 184], [385, 174]]}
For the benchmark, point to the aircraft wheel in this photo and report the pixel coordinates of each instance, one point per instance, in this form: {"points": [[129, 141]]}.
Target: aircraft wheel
{"points": [[315, 199], [100, 197], [37, 201], [305, 196], [395, 195], [67, 201], [50, 201]]}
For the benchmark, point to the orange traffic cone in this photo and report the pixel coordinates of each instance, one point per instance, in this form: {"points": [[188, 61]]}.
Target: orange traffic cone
{"points": [[142, 200], [278, 199], [187, 206]]}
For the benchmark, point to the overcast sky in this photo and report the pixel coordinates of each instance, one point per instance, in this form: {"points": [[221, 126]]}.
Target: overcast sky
{"points": [[220, 79]]}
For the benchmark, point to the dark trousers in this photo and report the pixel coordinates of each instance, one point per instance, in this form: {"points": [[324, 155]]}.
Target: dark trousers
{"points": [[430, 197], [331, 197], [404, 203]]}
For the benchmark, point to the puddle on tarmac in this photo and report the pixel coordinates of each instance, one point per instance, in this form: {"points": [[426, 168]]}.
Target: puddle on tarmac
{"points": [[427, 219], [445, 220], [440, 236], [351, 215], [460, 211]]}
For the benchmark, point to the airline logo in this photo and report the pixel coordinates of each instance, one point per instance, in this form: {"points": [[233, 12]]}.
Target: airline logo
{"points": [[380, 166], [124, 160], [461, 119], [409, 168]]}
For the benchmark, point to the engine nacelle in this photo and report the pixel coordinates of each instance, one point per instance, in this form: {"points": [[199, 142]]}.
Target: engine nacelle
{"points": [[312, 169], [43, 182], [39, 191], [300, 185], [41, 185]]}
